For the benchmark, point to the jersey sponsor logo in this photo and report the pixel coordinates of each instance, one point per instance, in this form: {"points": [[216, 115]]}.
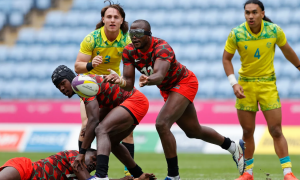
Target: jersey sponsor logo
{"points": [[10, 140], [107, 59], [269, 45], [246, 47], [47, 141], [136, 60]]}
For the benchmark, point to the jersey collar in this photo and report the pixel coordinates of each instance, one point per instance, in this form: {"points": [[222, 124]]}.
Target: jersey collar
{"points": [[249, 30], [103, 35]]}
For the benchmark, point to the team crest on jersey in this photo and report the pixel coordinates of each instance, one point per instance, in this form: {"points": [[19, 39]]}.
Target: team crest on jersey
{"points": [[246, 47], [269, 45]]}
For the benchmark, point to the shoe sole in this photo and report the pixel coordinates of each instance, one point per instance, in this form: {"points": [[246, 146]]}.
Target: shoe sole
{"points": [[242, 144]]}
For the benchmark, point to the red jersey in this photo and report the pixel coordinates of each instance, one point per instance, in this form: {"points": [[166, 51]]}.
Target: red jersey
{"points": [[55, 167], [144, 62], [109, 95]]}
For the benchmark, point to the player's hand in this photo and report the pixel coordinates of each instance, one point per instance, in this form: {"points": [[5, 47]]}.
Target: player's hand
{"points": [[143, 80], [112, 78], [238, 91], [79, 163], [96, 61], [146, 176]]}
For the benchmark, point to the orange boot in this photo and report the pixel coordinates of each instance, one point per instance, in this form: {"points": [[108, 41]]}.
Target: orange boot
{"points": [[246, 176], [290, 176]]}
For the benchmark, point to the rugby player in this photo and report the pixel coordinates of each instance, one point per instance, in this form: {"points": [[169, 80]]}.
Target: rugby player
{"points": [[255, 41]]}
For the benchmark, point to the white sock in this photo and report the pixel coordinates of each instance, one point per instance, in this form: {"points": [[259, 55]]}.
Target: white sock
{"points": [[232, 148], [287, 170], [250, 171]]}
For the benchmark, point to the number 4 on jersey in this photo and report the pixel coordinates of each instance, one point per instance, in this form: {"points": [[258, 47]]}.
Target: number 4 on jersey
{"points": [[257, 54]]}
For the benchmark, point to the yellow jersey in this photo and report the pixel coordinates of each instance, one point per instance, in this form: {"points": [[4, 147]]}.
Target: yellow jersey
{"points": [[256, 50], [96, 43]]}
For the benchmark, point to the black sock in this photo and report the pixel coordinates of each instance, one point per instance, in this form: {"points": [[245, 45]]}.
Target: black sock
{"points": [[102, 166], [173, 169], [226, 144], [79, 144], [130, 148], [136, 172]]}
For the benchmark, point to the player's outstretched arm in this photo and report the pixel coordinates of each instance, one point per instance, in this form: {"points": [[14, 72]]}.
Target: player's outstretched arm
{"points": [[160, 70], [290, 55], [92, 111]]}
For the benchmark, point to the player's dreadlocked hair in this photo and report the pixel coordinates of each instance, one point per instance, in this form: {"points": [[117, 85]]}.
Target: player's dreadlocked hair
{"points": [[124, 25], [261, 5]]}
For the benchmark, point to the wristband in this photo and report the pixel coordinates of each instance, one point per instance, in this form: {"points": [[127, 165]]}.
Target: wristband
{"points": [[122, 82], [232, 79], [82, 151], [89, 66]]}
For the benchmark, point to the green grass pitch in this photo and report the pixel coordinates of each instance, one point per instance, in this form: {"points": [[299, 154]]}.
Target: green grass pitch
{"points": [[191, 166]]}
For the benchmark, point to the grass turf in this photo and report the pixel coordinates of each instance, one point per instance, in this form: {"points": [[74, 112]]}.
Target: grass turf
{"points": [[192, 166]]}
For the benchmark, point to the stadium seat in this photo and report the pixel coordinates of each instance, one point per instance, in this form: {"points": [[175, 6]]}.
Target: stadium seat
{"points": [[207, 88], [3, 19], [22, 6], [5, 6], [17, 53], [26, 36], [283, 86], [45, 36], [43, 4], [16, 19], [3, 54], [7, 72], [289, 71], [54, 19], [223, 89]]}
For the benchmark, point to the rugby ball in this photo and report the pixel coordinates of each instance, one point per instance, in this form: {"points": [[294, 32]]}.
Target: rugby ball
{"points": [[85, 86]]}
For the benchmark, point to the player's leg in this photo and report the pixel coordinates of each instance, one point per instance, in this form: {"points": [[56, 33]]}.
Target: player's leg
{"points": [[128, 142], [274, 118], [170, 112], [10, 173], [121, 152], [189, 123], [247, 122], [115, 122]]}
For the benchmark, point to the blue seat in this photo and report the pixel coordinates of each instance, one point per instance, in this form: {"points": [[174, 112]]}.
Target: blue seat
{"points": [[69, 53], [52, 53], [26, 36], [17, 53], [16, 19], [22, 71], [207, 88], [294, 90], [6, 6], [7, 71], [289, 71], [283, 86], [43, 4], [224, 89], [3, 54], [3, 19], [45, 36], [73, 18], [35, 53], [80, 5], [202, 35], [292, 33], [54, 19], [22, 6], [283, 16]]}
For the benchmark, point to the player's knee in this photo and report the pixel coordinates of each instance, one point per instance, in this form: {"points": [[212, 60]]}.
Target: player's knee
{"points": [[99, 130], [248, 132], [161, 127], [275, 131]]}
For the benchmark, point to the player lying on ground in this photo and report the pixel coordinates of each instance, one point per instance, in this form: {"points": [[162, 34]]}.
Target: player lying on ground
{"points": [[124, 110], [155, 59], [57, 166]]}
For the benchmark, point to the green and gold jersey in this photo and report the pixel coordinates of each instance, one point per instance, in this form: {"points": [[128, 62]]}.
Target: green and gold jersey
{"points": [[96, 43], [256, 50]]}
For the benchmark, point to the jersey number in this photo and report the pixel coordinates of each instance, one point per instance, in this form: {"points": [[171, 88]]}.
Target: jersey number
{"points": [[257, 55], [144, 70]]}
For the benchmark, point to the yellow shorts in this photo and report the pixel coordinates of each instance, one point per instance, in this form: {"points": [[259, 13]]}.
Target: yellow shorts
{"points": [[260, 90]]}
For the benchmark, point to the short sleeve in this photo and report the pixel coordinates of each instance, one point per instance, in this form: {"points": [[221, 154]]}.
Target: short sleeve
{"points": [[126, 56], [231, 45], [164, 52], [281, 39], [87, 45], [87, 100]]}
